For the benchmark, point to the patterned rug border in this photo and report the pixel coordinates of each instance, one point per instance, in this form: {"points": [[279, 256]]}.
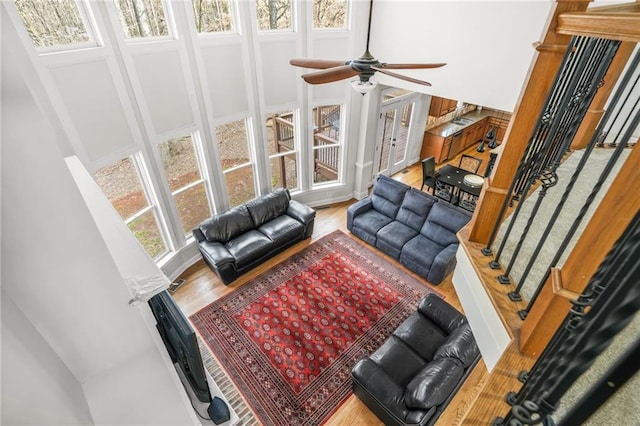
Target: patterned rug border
{"points": [[279, 274]]}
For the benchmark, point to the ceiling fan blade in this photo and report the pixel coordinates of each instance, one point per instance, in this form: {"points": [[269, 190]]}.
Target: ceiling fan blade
{"points": [[411, 66], [317, 63], [402, 77], [330, 75]]}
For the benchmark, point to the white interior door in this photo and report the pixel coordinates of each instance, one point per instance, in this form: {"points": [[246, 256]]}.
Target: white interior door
{"points": [[393, 134]]}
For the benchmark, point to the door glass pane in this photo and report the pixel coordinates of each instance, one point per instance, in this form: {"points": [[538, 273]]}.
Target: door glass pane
{"points": [[213, 16], [179, 161], [193, 207], [403, 132], [53, 23], [146, 230], [329, 13], [280, 132], [240, 185], [274, 14], [142, 18], [121, 184], [326, 163], [283, 172], [387, 135], [233, 144]]}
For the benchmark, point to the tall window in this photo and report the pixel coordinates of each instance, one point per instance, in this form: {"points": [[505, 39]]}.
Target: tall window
{"points": [[142, 18], [124, 186], [213, 16], [282, 150], [187, 186], [233, 145], [54, 23], [326, 143], [329, 14], [274, 14]]}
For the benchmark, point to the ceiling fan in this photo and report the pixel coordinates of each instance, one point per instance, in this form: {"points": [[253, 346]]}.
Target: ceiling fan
{"points": [[365, 67]]}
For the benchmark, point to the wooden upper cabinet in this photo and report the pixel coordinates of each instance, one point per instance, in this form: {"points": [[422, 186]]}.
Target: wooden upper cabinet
{"points": [[441, 106]]}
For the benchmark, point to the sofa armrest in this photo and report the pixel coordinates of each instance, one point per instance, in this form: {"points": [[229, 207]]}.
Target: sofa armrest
{"points": [[441, 313], [198, 235], [301, 212], [375, 387], [216, 253], [357, 209], [443, 264]]}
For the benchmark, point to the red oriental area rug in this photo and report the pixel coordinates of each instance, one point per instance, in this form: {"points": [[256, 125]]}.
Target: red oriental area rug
{"points": [[289, 338]]}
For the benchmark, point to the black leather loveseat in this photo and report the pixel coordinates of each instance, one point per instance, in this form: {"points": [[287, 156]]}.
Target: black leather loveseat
{"points": [[412, 226], [412, 377], [241, 238]]}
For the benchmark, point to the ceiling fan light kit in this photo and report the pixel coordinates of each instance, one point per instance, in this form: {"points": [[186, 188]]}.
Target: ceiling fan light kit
{"points": [[363, 87], [364, 67]]}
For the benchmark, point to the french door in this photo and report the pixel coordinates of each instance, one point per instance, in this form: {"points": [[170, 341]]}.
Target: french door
{"points": [[393, 133]]}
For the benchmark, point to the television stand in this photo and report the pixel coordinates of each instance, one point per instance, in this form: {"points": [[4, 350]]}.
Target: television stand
{"points": [[201, 407]]}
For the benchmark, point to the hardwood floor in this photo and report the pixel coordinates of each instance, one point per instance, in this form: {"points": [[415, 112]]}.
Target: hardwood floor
{"points": [[202, 287]]}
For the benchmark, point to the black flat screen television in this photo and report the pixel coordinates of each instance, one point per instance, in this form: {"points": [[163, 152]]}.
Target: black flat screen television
{"points": [[181, 342]]}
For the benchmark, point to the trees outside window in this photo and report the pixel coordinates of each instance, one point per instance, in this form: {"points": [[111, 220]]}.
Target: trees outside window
{"points": [[213, 16], [142, 18], [282, 150], [54, 23], [233, 147], [274, 15], [126, 187], [187, 186], [327, 122], [329, 14]]}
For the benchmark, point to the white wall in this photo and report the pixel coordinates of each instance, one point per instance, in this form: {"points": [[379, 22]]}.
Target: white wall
{"points": [[37, 387], [487, 45], [71, 301]]}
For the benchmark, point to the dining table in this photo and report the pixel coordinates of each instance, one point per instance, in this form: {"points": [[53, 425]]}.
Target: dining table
{"points": [[455, 177]]}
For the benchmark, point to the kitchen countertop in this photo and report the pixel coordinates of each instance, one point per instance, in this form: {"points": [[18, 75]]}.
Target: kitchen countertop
{"points": [[447, 129]]}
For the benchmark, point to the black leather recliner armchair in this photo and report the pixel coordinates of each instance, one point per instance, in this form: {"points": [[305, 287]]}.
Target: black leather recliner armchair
{"points": [[412, 377]]}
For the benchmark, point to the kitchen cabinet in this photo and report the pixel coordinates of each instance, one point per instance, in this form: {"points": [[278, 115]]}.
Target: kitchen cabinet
{"points": [[436, 146], [500, 125], [474, 133], [441, 106], [446, 146]]}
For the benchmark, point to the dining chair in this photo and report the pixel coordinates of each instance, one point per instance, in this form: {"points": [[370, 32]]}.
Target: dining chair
{"points": [[470, 163], [467, 197], [429, 173], [445, 192]]}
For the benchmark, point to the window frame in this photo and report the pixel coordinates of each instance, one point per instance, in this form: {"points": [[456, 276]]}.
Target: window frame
{"points": [[169, 19], [296, 148], [87, 18], [235, 22], [339, 144], [290, 30], [204, 178]]}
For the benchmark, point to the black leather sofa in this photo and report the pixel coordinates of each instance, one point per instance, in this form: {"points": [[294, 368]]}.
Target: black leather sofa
{"points": [[412, 377], [412, 226], [241, 238]]}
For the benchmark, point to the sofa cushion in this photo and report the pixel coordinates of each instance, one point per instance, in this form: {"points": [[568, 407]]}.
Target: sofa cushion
{"points": [[443, 223], [422, 250], [460, 345], [387, 196], [398, 360], [415, 208], [421, 334], [268, 206], [433, 384], [396, 234], [248, 247], [227, 225], [441, 313], [282, 229], [371, 222]]}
